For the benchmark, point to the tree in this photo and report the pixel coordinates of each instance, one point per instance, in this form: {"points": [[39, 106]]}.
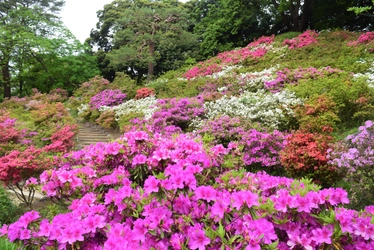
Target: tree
{"points": [[331, 14], [136, 34], [226, 24], [23, 24]]}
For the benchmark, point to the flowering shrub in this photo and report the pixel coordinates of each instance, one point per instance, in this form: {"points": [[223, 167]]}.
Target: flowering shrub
{"points": [[304, 39], [174, 204], [364, 38], [60, 95], [18, 166], [355, 155], [305, 155], [287, 76], [91, 88], [269, 109], [224, 129], [62, 140], [318, 114], [254, 50], [46, 114], [262, 148], [176, 112], [13, 137], [107, 97], [144, 106], [107, 119], [8, 132], [144, 92]]}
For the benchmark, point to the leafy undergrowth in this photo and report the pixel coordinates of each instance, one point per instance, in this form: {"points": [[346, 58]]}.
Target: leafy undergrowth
{"points": [[242, 151]]}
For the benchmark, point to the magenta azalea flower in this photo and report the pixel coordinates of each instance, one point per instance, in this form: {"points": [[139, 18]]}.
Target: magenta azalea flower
{"points": [[197, 238]]}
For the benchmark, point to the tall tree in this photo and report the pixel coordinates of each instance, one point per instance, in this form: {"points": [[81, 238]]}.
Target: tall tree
{"points": [[226, 24], [22, 24], [293, 15], [136, 33]]}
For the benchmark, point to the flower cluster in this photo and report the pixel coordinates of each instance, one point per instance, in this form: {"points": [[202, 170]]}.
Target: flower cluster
{"points": [[145, 106], [305, 155], [263, 148], [287, 76], [269, 109], [108, 98], [158, 194], [176, 112], [355, 155], [364, 38], [144, 92], [254, 50], [304, 39]]}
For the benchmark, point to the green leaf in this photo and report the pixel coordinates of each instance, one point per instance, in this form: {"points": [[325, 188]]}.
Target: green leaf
{"points": [[220, 231]]}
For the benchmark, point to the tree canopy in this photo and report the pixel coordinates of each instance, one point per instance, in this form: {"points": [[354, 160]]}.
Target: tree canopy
{"points": [[139, 35], [33, 45]]}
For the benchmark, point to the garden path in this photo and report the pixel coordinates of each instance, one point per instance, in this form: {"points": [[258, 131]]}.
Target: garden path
{"points": [[89, 133]]}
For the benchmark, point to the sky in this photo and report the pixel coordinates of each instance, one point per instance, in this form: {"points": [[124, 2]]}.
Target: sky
{"points": [[79, 16]]}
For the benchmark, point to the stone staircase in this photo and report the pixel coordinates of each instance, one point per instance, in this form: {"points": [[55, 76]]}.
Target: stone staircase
{"points": [[90, 134]]}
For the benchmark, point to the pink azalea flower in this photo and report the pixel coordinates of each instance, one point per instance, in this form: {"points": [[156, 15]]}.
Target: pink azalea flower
{"points": [[72, 234], [44, 228], [151, 184], [139, 159], [207, 193], [322, 235], [197, 238]]}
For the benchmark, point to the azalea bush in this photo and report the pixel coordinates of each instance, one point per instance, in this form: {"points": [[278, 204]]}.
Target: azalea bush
{"points": [[159, 193], [272, 110], [261, 149], [145, 106], [254, 50], [347, 94], [364, 38], [302, 40], [318, 115], [176, 112], [107, 119], [224, 129], [305, 155], [107, 97], [34, 133], [144, 92], [354, 156], [292, 77], [18, 166]]}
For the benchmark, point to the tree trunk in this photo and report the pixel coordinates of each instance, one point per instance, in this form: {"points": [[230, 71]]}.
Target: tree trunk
{"points": [[295, 16], [150, 63], [20, 88], [6, 80], [306, 14]]}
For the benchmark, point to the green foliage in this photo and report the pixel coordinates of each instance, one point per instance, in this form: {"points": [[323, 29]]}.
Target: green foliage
{"points": [[124, 122], [288, 35], [143, 37], [5, 244], [9, 211], [226, 24], [344, 92], [36, 50], [318, 114], [107, 119], [51, 210]]}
